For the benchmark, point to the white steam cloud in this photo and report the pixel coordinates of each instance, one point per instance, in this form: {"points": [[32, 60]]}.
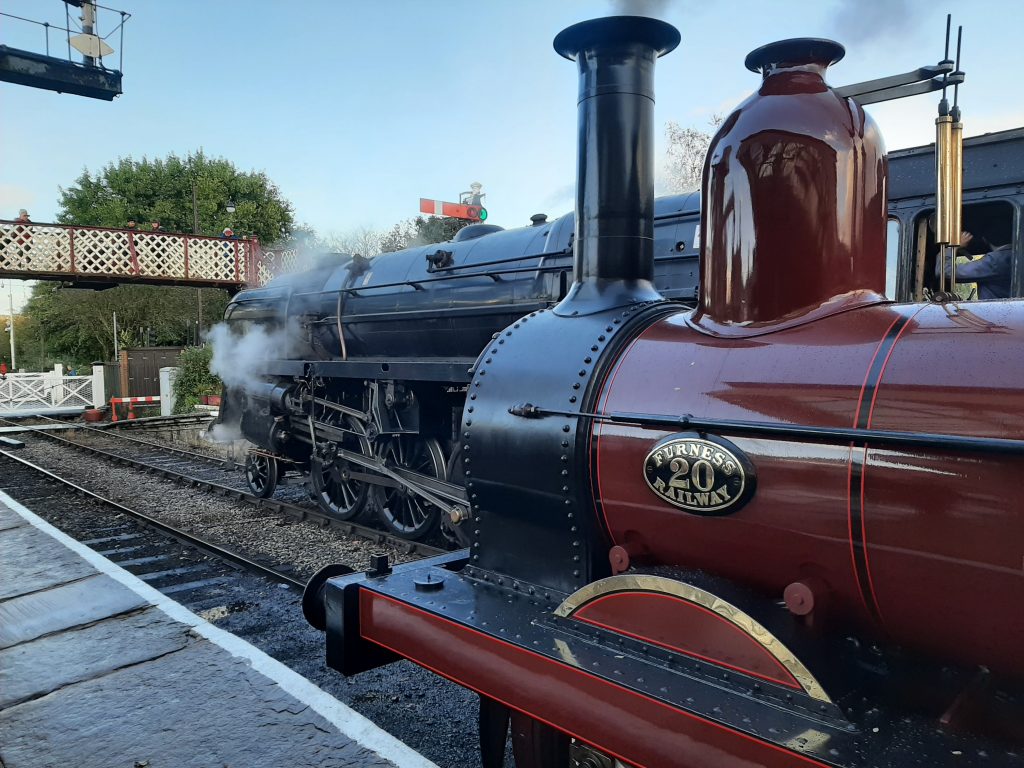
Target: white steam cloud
{"points": [[237, 358], [223, 433]]}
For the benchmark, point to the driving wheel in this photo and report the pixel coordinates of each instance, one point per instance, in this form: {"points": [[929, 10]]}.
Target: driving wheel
{"points": [[335, 491], [403, 512]]}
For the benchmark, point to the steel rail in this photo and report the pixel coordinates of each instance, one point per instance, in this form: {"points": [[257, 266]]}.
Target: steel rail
{"points": [[169, 530], [302, 513], [167, 449]]}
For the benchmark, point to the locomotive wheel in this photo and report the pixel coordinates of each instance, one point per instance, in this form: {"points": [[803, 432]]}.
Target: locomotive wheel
{"points": [[402, 512], [335, 493], [261, 473]]}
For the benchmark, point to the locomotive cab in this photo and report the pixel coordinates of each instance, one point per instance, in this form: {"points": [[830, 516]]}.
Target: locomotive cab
{"points": [[993, 206], [991, 228]]}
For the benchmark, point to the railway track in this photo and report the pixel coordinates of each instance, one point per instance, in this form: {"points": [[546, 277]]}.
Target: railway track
{"points": [[218, 476], [196, 571]]}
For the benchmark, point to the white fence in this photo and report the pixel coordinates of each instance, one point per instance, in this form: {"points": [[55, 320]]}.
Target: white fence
{"points": [[24, 393]]}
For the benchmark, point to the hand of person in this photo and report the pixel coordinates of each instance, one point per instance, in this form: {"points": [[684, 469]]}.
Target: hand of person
{"points": [[965, 239]]}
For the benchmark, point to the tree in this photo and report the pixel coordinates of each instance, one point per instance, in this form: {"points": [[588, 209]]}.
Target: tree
{"points": [[77, 325], [398, 237], [194, 378], [421, 231], [687, 148], [21, 341], [438, 229], [161, 190], [362, 240]]}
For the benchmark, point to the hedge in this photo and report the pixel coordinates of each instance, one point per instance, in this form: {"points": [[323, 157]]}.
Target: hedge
{"points": [[194, 378]]}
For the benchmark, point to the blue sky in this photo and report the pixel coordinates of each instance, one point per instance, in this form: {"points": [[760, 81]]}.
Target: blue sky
{"points": [[358, 109]]}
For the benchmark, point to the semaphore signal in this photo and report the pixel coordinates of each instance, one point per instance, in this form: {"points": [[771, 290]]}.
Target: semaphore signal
{"points": [[454, 210]]}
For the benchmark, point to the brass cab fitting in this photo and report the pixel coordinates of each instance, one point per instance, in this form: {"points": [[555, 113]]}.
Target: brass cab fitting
{"points": [[957, 194], [957, 152], [944, 234], [949, 150]]}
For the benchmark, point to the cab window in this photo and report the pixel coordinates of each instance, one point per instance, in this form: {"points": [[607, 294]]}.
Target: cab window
{"points": [[990, 225], [892, 257]]}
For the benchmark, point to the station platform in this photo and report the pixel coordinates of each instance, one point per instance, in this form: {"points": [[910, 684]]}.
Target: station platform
{"points": [[97, 668]]}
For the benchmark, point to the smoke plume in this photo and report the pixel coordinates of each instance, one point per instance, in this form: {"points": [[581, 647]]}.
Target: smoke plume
{"points": [[223, 433], [866, 21], [654, 8], [238, 357]]}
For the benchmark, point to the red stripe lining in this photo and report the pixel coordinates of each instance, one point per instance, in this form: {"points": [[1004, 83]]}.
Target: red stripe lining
{"points": [[849, 466], [731, 731], [606, 393], [864, 465]]}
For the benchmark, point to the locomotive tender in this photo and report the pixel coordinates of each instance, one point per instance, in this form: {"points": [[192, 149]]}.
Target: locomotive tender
{"points": [[778, 529]]}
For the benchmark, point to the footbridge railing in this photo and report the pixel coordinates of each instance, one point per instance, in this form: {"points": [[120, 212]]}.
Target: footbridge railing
{"points": [[101, 255]]}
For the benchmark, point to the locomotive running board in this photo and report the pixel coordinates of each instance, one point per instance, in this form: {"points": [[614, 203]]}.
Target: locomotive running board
{"points": [[506, 640]]}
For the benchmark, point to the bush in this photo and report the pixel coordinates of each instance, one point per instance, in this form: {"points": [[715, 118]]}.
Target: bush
{"points": [[194, 378]]}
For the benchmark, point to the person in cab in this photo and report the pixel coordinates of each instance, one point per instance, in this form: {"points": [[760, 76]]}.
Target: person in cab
{"points": [[988, 266]]}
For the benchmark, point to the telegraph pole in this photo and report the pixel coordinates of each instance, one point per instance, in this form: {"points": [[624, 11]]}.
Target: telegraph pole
{"points": [[10, 296], [195, 231]]}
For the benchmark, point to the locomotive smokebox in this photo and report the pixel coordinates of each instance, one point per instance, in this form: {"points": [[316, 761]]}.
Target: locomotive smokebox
{"points": [[614, 248], [794, 214]]}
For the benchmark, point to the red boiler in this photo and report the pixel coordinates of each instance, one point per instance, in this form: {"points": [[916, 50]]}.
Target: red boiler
{"points": [[916, 542]]}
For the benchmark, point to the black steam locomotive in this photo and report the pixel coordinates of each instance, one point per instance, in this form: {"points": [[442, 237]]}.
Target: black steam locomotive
{"points": [[367, 399]]}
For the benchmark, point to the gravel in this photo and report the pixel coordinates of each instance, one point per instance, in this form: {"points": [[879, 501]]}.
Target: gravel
{"points": [[262, 534]]}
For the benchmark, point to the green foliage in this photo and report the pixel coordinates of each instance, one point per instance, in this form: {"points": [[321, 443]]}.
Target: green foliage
{"points": [[398, 237], [21, 342], [161, 190], [421, 231], [76, 326], [194, 378], [437, 229]]}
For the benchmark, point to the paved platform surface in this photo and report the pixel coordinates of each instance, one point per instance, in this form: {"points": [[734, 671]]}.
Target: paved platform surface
{"points": [[99, 669]]}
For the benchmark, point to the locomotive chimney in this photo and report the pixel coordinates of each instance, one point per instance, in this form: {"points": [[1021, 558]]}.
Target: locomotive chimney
{"points": [[794, 200], [614, 247]]}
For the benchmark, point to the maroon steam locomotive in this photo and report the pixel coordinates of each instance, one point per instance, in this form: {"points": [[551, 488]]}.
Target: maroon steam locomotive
{"points": [[779, 529]]}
